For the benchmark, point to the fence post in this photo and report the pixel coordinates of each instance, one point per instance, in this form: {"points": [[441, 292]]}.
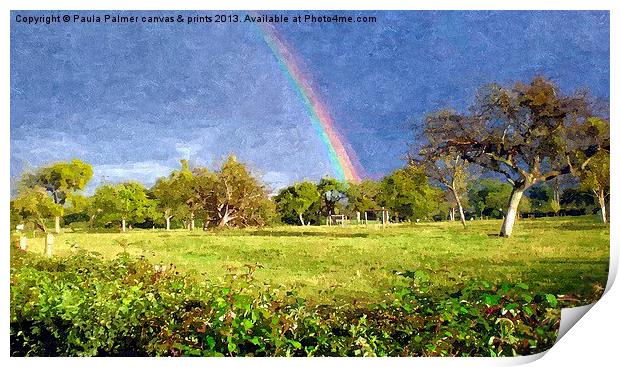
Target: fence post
{"points": [[382, 217], [23, 243]]}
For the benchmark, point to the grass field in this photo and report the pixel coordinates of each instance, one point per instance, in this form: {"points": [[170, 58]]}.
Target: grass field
{"points": [[563, 255]]}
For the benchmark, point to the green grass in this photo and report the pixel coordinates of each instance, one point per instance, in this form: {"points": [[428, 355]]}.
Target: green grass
{"points": [[564, 255]]}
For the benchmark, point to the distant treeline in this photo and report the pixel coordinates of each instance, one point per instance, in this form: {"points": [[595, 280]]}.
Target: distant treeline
{"points": [[551, 151]]}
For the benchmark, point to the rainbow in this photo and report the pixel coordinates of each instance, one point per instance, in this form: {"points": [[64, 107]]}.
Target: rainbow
{"points": [[343, 163]]}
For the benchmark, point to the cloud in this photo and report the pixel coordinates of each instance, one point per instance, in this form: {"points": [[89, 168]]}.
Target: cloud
{"points": [[146, 172], [276, 180], [186, 150]]}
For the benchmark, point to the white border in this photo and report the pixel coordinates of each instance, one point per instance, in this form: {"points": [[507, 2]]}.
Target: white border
{"points": [[591, 340]]}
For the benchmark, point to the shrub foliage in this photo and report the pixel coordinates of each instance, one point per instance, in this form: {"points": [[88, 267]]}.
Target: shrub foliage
{"points": [[82, 305]]}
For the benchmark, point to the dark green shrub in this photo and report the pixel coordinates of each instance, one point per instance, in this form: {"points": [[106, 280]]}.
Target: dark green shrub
{"points": [[85, 306]]}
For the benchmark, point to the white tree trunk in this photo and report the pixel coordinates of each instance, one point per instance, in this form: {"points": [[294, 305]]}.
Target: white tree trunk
{"points": [[462, 214], [57, 224], [301, 218], [167, 223], [123, 225], [459, 205], [601, 202], [451, 214], [511, 213]]}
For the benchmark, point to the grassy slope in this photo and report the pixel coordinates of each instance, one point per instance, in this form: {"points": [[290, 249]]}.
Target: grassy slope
{"points": [[557, 255]]}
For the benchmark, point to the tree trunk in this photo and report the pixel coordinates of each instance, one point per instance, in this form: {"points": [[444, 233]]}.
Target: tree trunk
{"points": [[461, 212], [57, 224], [301, 218], [191, 224], [600, 195], [511, 213], [451, 214], [167, 223], [123, 225]]}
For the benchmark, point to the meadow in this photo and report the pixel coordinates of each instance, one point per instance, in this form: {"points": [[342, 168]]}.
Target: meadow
{"points": [[357, 264]]}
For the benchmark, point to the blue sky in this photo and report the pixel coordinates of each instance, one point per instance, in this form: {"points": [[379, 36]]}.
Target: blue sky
{"points": [[133, 99]]}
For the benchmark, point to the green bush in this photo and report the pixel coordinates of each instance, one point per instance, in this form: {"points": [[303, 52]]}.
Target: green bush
{"points": [[85, 306]]}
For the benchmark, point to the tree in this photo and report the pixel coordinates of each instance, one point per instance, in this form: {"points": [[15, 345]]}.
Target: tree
{"points": [[576, 200], [33, 205], [125, 202], [60, 179], [175, 195], [165, 193], [555, 207], [488, 197], [445, 167], [77, 208], [407, 192], [595, 178], [231, 196], [332, 191], [362, 195], [530, 133], [297, 199]]}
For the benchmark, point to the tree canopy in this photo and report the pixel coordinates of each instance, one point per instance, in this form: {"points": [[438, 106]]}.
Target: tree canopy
{"points": [[34, 206], [294, 201], [529, 133], [125, 203], [407, 192]]}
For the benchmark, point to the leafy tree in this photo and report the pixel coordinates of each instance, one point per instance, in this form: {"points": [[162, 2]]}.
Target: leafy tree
{"points": [[232, 196], [175, 195], [577, 200], [445, 167], [297, 199], [332, 192], [541, 196], [125, 202], [595, 178], [105, 206], [555, 207], [362, 196], [165, 193], [60, 179], [34, 206], [530, 133], [488, 197], [407, 192], [77, 208]]}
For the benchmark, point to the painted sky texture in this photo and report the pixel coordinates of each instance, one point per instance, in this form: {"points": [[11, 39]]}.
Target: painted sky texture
{"points": [[133, 99]]}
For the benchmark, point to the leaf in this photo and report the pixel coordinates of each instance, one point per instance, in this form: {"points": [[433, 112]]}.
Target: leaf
{"points": [[247, 324], [295, 344], [552, 300]]}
